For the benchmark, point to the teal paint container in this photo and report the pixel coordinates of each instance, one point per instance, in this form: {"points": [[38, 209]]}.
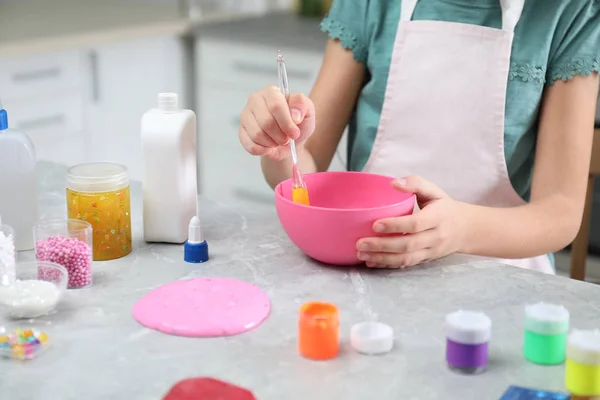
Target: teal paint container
{"points": [[546, 328]]}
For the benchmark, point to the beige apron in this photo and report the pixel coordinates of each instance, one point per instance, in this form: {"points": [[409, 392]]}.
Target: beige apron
{"points": [[443, 113]]}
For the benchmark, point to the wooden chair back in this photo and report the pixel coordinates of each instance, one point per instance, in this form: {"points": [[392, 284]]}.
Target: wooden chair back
{"points": [[579, 248]]}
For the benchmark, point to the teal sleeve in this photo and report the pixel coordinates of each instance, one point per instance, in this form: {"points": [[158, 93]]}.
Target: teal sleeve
{"points": [[577, 49], [346, 22]]}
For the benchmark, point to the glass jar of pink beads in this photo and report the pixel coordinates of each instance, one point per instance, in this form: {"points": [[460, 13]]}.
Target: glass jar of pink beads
{"points": [[67, 242]]}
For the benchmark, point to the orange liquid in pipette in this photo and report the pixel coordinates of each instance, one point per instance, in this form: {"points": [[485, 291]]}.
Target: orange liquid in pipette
{"points": [[299, 190], [300, 195]]}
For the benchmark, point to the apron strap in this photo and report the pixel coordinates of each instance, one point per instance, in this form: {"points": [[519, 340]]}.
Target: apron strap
{"points": [[511, 12], [407, 9]]}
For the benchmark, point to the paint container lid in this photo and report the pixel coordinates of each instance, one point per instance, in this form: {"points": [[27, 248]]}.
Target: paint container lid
{"points": [[546, 319], [583, 346], [372, 337], [468, 327]]}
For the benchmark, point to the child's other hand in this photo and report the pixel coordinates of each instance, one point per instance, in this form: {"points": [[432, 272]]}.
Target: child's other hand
{"points": [[433, 232], [267, 123]]}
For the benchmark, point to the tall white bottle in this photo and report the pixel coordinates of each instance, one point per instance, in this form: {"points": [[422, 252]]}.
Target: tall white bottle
{"points": [[169, 180], [18, 184]]}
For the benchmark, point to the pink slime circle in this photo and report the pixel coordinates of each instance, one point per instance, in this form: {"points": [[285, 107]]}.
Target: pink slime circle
{"points": [[203, 307]]}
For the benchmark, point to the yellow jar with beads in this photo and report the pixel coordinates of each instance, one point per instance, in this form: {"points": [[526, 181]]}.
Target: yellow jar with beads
{"points": [[99, 194], [582, 367]]}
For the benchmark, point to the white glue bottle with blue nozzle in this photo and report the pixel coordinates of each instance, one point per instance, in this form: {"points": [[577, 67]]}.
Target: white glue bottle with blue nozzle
{"points": [[169, 183], [195, 250], [18, 184]]}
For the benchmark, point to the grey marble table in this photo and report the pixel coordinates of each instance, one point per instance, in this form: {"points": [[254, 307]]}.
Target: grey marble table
{"points": [[100, 352]]}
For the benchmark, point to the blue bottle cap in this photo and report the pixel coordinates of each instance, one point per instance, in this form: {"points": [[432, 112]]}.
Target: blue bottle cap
{"points": [[3, 119], [195, 250], [195, 253]]}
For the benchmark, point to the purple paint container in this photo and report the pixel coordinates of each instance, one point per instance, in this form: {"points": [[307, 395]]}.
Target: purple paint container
{"points": [[467, 337]]}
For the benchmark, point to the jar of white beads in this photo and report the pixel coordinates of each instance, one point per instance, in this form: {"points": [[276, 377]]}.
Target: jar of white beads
{"points": [[7, 255], [68, 243]]}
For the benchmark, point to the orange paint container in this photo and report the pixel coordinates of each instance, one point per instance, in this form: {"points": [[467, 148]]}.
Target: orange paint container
{"points": [[318, 331]]}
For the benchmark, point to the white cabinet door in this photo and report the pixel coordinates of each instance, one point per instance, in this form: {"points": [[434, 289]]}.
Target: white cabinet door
{"points": [[227, 172], [125, 79], [54, 124], [29, 76], [44, 98], [250, 67]]}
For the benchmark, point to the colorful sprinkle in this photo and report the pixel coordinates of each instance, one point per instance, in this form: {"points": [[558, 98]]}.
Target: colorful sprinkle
{"points": [[42, 337], [13, 338], [18, 351], [29, 349], [24, 348]]}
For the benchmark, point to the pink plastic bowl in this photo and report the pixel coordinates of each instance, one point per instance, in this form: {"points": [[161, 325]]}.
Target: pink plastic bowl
{"points": [[344, 206]]}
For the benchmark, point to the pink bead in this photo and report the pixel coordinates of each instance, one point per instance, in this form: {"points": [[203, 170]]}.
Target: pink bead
{"points": [[73, 254]]}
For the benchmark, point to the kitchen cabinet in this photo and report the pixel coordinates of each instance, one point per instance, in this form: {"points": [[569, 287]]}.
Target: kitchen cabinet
{"points": [[228, 72], [53, 123], [43, 95], [85, 104], [124, 80]]}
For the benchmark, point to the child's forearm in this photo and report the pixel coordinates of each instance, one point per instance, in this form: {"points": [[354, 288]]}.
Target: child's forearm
{"points": [[553, 217], [276, 171], [518, 232]]}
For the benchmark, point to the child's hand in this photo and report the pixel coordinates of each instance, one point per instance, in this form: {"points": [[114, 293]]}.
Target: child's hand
{"points": [[433, 232], [267, 123]]}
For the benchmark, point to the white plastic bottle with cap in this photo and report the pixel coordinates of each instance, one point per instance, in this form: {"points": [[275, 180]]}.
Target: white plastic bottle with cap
{"points": [[169, 180], [18, 183]]}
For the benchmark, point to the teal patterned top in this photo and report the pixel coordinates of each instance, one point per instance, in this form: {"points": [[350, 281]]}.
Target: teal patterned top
{"points": [[554, 39]]}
